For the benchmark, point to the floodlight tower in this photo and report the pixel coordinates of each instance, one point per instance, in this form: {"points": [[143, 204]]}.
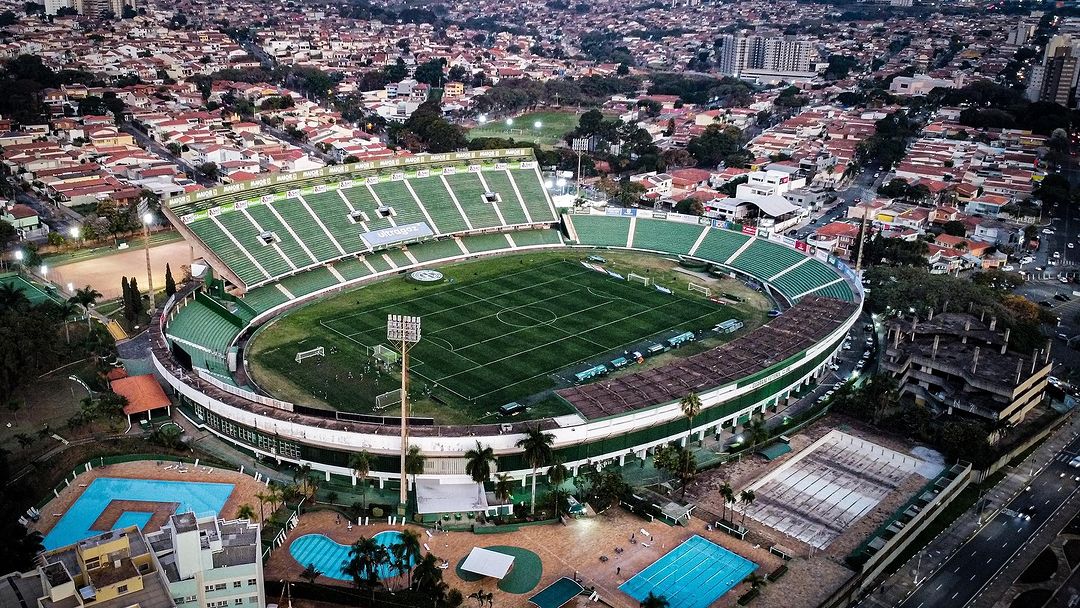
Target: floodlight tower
{"points": [[405, 332]]}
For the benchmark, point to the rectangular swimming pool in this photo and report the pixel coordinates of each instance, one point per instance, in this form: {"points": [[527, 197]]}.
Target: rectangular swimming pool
{"points": [[78, 522], [692, 575]]}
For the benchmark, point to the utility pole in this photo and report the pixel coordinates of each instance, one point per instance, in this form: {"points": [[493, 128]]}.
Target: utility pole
{"points": [[862, 240]]}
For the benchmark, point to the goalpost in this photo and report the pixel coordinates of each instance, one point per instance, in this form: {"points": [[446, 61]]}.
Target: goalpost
{"points": [[700, 289], [639, 278], [385, 354], [318, 351]]}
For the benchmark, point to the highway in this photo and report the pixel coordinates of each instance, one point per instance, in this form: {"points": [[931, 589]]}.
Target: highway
{"points": [[963, 576]]}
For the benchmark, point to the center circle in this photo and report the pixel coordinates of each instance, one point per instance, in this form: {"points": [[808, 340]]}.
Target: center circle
{"points": [[532, 315]]}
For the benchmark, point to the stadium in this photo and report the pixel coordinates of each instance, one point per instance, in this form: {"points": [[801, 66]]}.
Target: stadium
{"points": [[526, 321]]}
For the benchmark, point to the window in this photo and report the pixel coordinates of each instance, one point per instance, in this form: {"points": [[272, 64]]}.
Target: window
{"points": [[121, 589], [209, 588], [239, 601], [252, 582], [236, 584], [220, 586], [253, 600]]}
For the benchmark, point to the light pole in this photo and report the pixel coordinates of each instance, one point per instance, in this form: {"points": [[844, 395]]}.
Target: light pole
{"points": [[75, 233], [147, 219], [404, 331]]}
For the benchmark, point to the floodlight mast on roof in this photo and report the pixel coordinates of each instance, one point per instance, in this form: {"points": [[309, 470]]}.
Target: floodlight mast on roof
{"points": [[403, 331]]}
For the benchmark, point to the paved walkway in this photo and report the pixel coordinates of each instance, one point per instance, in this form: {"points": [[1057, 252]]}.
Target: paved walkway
{"points": [[926, 562]]}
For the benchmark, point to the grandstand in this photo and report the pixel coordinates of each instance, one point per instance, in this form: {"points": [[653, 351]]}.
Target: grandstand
{"points": [[260, 239]]}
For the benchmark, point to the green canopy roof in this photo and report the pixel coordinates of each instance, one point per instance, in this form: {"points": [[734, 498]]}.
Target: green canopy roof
{"points": [[775, 450]]}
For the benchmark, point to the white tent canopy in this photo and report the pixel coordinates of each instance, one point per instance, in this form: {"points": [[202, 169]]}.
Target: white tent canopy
{"points": [[486, 562], [435, 497]]}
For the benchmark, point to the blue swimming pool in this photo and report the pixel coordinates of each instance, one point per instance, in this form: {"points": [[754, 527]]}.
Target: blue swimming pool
{"points": [[329, 556], [692, 575], [75, 525]]}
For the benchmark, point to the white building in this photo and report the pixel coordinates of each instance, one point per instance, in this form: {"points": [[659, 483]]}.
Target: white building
{"points": [[761, 200], [763, 56]]}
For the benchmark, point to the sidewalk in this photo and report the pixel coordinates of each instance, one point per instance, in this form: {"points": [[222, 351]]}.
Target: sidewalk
{"points": [[901, 583]]}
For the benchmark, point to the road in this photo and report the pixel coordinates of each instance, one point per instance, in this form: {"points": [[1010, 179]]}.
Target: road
{"points": [[863, 187], [153, 146], [964, 575]]}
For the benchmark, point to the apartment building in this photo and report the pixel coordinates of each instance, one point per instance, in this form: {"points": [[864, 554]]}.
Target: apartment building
{"points": [[753, 56]]}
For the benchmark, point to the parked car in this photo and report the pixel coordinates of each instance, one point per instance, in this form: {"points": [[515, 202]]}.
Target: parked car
{"points": [[1046, 303]]}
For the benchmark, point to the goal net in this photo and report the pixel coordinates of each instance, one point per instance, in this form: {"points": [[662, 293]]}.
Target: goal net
{"points": [[637, 278], [318, 351], [387, 399], [700, 289], [385, 354]]}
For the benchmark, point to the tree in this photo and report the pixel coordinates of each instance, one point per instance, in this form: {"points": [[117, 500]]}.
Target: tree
{"points": [[654, 601], [362, 565], [504, 487], [7, 18], [746, 497], [85, 297], [170, 283], [718, 145], [955, 228], [557, 475], [129, 307], [691, 406], [758, 432], [209, 169], [430, 72], [728, 494], [478, 463], [310, 573], [263, 498], [409, 551], [136, 299], [536, 448], [245, 512], [689, 206], [678, 461], [414, 462], [360, 464]]}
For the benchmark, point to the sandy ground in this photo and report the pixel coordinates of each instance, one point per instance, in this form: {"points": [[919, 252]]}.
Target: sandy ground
{"points": [[244, 489], [104, 273], [564, 550]]}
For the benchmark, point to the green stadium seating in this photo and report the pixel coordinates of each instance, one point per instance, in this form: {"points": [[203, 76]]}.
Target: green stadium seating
{"points": [[509, 204], [435, 250], [248, 235], [439, 205], [199, 324], [485, 242], [719, 245], [601, 230], [309, 281], [262, 299], [525, 238], [661, 235], [840, 291], [304, 225], [397, 196], [351, 268], [763, 259], [335, 216], [470, 194], [223, 246], [532, 191], [361, 200], [265, 218], [805, 277], [398, 257], [377, 262]]}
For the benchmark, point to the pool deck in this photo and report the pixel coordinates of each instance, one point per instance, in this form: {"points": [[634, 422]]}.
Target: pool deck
{"points": [[575, 547], [244, 489]]}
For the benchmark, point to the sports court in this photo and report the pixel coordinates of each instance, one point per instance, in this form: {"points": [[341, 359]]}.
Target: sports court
{"points": [[33, 292], [692, 575], [493, 340], [828, 486]]}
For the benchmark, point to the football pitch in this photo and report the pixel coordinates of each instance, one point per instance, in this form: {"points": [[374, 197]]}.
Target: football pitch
{"points": [[499, 336]]}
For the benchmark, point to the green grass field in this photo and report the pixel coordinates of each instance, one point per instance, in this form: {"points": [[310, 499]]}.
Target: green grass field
{"points": [[553, 125], [35, 293], [495, 331]]}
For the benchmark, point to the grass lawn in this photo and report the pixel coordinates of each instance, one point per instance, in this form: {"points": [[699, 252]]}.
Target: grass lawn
{"points": [[495, 331], [553, 125]]}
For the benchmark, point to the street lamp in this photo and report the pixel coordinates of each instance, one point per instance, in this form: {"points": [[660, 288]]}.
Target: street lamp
{"points": [[483, 118], [509, 122], [44, 270], [75, 233], [537, 125], [147, 220], [405, 331]]}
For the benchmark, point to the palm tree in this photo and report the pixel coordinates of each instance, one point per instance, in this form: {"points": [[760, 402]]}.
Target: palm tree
{"points": [[360, 463], [263, 498], [654, 601], [410, 550], [65, 310], [686, 467], [12, 297], [557, 474], [85, 297], [691, 406], [310, 573], [726, 492], [536, 448], [414, 462], [746, 497], [504, 487], [756, 581], [245, 512], [759, 433], [479, 461], [362, 565], [731, 499]]}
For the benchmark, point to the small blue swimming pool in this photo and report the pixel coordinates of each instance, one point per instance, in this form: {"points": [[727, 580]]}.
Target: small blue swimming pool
{"points": [[329, 556], [692, 575], [75, 525]]}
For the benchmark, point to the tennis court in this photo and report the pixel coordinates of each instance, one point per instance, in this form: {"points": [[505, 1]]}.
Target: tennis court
{"points": [[33, 292], [692, 575], [492, 340]]}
